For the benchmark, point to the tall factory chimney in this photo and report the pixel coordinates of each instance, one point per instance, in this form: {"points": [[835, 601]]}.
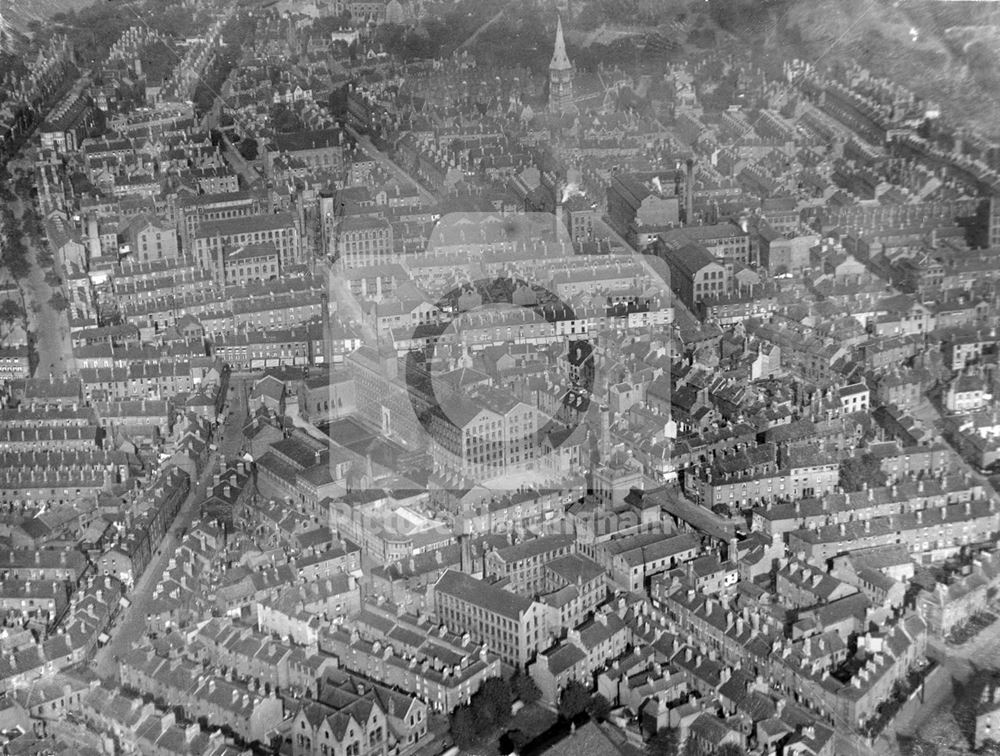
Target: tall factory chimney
{"points": [[327, 333], [689, 193], [605, 447]]}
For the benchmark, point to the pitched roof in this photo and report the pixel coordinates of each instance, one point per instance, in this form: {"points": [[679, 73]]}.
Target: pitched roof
{"points": [[479, 593]]}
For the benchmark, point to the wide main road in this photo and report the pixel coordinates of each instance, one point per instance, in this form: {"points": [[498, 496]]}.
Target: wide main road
{"points": [[49, 326]]}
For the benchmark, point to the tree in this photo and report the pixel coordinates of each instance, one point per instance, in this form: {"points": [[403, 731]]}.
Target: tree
{"points": [[524, 688], [58, 302], [574, 699], [10, 312], [691, 748], [285, 119], [338, 102], [495, 698], [857, 471], [15, 257], [728, 749], [665, 742], [248, 148], [463, 727], [204, 98], [598, 708], [24, 185]]}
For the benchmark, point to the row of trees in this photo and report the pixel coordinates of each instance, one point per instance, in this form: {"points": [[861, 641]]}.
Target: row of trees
{"points": [[236, 31], [13, 251], [13, 257]]}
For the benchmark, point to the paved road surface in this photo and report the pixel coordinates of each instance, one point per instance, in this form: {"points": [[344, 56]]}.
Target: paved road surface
{"points": [[231, 444], [382, 159], [51, 328], [130, 626], [928, 413], [131, 623], [239, 164]]}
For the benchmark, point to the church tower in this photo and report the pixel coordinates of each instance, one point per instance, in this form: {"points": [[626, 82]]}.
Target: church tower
{"points": [[560, 76]]}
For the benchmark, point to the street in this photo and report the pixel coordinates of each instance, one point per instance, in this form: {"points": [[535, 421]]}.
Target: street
{"points": [[231, 441], [131, 624], [239, 164], [928, 413], [382, 159], [49, 326]]}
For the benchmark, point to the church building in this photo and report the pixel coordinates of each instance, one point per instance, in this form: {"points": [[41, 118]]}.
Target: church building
{"points": [[560, 77]]}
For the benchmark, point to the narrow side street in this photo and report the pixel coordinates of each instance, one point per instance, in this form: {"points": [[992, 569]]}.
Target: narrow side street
{"points": [[386, 162], [131, 623]]}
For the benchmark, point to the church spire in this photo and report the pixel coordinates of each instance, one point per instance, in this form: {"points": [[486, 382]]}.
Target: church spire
{"points": [[560, 76], [560, 60]]}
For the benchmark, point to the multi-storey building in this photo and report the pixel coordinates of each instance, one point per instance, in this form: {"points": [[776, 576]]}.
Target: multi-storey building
{"points": [[951, 605], [251, 262], [444, 669], [208, 208], [150, 239], [632, 559], [643, 206], [509, 625], [523, 564], [802, 475], [255, 655], [586, 649], [488, 435], [695, 274], [994, 225], [936, 532], [364, 240], [726, 241], [574, 587], [214, 241], [834, 508], [252, 714]]}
